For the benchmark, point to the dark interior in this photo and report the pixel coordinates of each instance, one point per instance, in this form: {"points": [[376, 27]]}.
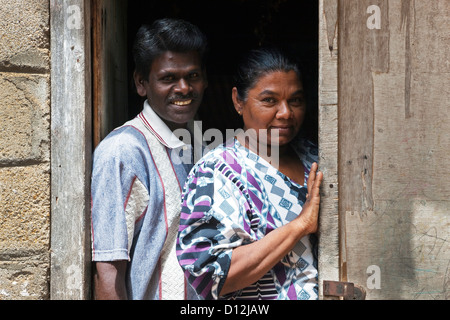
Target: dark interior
{"points": [[233, 27]]}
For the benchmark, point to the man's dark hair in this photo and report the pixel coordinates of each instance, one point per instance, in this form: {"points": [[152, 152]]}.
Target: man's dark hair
{"points": [[166, 35]]}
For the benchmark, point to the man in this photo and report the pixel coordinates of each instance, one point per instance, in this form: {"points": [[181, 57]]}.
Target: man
{"points": [[138, 170]]}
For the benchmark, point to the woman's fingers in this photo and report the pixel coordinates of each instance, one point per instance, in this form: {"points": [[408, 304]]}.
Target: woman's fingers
{"points": [[310, 212], [312, 176], [315, 189], [314, 181]]}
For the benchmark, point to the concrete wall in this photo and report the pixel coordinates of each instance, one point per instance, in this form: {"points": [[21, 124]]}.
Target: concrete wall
{"points": [[24, 149]]}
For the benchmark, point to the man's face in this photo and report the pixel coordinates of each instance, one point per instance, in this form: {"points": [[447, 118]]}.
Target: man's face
{"points": [[175, 87]]}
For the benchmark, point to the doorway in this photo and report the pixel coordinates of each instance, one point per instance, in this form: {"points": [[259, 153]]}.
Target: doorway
{"points": [[232, 27], [92, 69]]}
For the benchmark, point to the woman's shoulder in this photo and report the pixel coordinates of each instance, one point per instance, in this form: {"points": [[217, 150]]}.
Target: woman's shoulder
{"points": [[226, 153], [307, 150]]}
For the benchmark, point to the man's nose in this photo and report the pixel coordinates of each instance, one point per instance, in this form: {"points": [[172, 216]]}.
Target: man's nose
{"points": [[182, 86]]}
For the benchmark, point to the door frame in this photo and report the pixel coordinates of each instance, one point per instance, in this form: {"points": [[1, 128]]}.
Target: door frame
{"points": [[71, 149], [72, 137], [330, 248]]}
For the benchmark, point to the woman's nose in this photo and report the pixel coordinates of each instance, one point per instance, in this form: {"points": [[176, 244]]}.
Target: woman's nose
{"points": [[284, 111]]}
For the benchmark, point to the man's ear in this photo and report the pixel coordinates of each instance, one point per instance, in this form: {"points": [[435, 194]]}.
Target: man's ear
{"points": [[139, 83], [238, 104]]}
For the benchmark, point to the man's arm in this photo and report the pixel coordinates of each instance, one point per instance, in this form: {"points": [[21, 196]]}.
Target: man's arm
{"points": [[109, 280]]}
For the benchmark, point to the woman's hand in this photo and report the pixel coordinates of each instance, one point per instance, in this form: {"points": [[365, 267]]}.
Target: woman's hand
{"points": [[250, 262], [310, 212]]}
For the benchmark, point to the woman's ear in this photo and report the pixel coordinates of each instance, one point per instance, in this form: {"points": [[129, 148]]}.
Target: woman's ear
{"points": [[238, 104], [139, 82]]}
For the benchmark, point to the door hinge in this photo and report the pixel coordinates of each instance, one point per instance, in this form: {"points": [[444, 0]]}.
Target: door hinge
{"points": [[346, 290]]}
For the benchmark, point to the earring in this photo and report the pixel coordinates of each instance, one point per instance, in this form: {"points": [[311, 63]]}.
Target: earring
{"points": [[240, 113]]}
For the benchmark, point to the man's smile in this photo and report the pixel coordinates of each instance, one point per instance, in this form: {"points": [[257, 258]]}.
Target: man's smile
{"points": [[182, 102]]}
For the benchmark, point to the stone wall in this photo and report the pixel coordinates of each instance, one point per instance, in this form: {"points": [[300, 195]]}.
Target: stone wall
{"points": [[24, 149]]}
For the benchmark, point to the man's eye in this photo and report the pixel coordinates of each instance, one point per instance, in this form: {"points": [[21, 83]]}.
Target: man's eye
{"points": [[168, 78], [194, 75]]}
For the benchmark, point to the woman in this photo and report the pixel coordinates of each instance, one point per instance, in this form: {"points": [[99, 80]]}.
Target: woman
{"points": [[247, 226]]}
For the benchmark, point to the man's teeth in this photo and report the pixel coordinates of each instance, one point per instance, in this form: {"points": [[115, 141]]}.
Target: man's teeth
{"points": [[182, 103]]}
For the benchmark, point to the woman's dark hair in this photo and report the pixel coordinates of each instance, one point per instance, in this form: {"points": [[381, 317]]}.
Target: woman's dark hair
{"points": [[166, 35], [258, 63]]}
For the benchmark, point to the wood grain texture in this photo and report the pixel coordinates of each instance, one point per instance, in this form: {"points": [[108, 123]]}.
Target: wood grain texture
{"points": [[71, 149], [110, 82], [328, 143], [394, 137]]}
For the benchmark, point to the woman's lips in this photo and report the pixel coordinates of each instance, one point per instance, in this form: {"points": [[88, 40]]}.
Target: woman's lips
{"points": [[281, 128]]}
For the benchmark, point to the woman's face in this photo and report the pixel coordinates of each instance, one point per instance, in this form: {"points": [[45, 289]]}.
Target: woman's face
{"points": [[276, 103]]}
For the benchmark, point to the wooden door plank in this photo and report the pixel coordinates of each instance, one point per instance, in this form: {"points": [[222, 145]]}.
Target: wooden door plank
{"points": [[394, 137], [71, 149], [328, 142], [110, 77]]}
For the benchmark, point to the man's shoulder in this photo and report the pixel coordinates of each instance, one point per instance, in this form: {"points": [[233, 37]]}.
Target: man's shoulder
{"points": [[125, 136], [123, 142]]}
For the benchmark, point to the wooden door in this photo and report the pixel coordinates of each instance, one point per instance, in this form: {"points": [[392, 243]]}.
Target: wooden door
{"points": [[393, 159], [110, 75]]}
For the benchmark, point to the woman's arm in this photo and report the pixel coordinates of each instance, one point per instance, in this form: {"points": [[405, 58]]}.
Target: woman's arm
{"points": [[250, 262]]}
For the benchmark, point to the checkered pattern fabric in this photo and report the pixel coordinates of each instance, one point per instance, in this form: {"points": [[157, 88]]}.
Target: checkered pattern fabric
{"points": [[233, 197]]}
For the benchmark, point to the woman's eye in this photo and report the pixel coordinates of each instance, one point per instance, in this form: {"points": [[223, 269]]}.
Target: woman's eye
{"points": [[269, 100]]}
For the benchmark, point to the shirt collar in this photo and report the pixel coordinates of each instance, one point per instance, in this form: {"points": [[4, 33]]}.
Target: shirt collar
{"points": [[161, 131]]}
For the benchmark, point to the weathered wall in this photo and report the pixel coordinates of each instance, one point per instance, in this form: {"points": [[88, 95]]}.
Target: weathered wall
{"points": [[394, 141], [24, 149]]}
